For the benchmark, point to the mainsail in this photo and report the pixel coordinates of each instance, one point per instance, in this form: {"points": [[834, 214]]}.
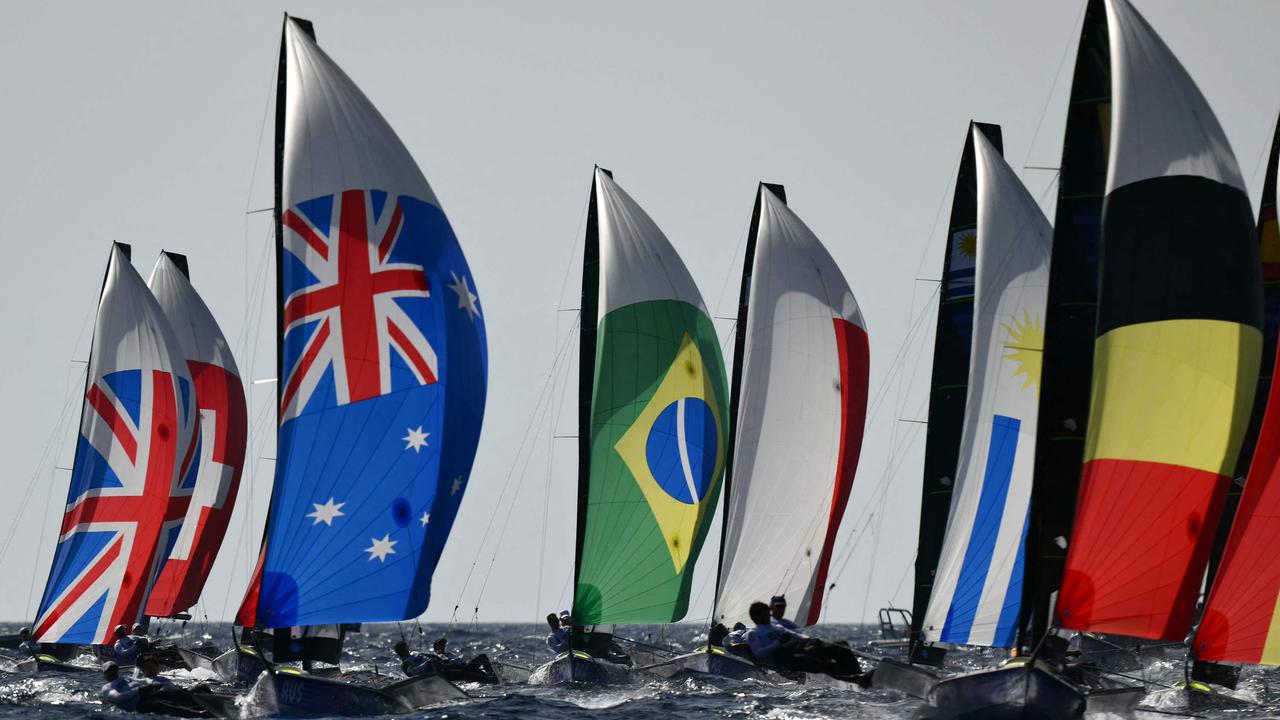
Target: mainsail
{"points": [[799, 409], [382, 355], [950, 380], [977, 592], [658, 412], [131, 480], [1070, 319], [1177, 350], [219, 458], [1242, 618]]}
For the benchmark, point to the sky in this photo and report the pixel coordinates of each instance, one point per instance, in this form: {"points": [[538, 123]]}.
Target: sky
{"points": [[148, 123]]}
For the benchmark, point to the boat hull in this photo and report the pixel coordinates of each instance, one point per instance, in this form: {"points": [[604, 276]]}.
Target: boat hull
{"points": [[297, 695], [47, 663], [1009, 693], [717, 662], [579, 667], [914, 680]]}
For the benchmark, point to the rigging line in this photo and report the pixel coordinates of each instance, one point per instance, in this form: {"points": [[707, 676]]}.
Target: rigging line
{"points": [[1075, 36], [546, 503], [1266, 153], [539, 409], [734, 263]]}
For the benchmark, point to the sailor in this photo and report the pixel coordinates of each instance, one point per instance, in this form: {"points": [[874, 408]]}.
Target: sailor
{"points": [[147, 676], [125, 648], [558, 638], [715, 638], [736, 642], [117, 690], [778, 609], [445, 659], [412, 663], [25, 646], [139, 635], [779, 647]]}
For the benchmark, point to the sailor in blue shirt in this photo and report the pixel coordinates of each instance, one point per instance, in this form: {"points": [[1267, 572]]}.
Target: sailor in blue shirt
{"points": [[125, 648], [786, 649], [778, 609], [412, 663], [119, 691], [558, 638]]}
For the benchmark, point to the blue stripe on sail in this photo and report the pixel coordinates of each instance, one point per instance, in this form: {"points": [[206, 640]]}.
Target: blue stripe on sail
{"points": [[986, 528], [1007, 627], [85, 631]]}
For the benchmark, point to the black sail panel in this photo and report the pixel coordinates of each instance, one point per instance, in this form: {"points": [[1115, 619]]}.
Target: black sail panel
{"points": [[1070, 320], [589, 307], [950, 381]]}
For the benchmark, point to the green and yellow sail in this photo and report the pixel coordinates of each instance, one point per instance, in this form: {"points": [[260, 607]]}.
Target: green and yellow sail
{"points": [[654, 420]]}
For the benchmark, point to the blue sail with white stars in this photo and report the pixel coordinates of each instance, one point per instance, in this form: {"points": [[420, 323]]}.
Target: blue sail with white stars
{"points": [[383, 362]]}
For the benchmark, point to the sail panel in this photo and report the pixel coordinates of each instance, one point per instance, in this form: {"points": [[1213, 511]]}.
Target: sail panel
{"points": [[978, 589], [383, 362], [223, 418], [801, 411], [1241, 621], [949, 384], [129, 485], [658, 438], [1177, 352]]}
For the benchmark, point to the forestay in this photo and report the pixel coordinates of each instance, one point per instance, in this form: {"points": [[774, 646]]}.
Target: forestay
{"points": [[219, 458], [801, 407], [132, 477], [382, 361], [978, 588], [658, 416], [1177, 352]]}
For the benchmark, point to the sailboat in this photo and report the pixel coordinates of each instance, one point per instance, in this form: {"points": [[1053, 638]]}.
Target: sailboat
{"points": [[219, 455], [133, 475], [1175, 360], [382, 382], [1237, 623], [652, 421], [797, 411]]}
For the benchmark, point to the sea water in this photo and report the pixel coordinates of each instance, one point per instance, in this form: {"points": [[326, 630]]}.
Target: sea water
{"points": [[54, 697]]}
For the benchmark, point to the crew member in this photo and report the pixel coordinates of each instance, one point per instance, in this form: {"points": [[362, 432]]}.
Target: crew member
{"points": [[125, 648], [777, 646], [117, 690], [412, 663], [444, 658], [558, 638], [778, 609]]}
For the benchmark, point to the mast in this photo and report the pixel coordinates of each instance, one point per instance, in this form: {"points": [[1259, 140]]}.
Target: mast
{"points": [[735, 382], [1070, 320], [950, 381], [589, 307]]}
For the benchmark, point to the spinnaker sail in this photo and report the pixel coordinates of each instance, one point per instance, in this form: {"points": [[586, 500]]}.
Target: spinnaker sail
{"points": [[219, 458], [658, 416], [133, 473], [1241, 621], [949, 385], [977, 591], [1177, 350], [383, 361], [799, 409]]}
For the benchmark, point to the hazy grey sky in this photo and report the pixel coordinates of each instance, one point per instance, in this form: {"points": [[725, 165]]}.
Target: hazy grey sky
{"points": [[147, 123]]}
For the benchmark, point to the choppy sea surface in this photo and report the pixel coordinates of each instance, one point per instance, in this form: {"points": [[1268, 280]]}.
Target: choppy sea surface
{"points": [[55, 697]]}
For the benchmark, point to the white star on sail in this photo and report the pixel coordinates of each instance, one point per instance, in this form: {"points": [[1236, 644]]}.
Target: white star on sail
{"points": [[466, 298], [457, 485], [326, 513], [416, 439], [380, 549], [426, 518]]}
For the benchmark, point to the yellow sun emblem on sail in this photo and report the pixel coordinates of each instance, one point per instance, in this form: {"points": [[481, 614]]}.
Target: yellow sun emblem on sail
{"points": [[967, 243], [1025, 346]]}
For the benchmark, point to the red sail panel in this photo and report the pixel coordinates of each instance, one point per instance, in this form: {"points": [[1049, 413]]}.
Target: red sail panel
{"points": [[855, 366]]}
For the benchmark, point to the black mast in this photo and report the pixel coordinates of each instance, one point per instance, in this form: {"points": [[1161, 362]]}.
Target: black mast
{"points": [[1070, 322], [948, 388], [735, 383], [587, 364]]}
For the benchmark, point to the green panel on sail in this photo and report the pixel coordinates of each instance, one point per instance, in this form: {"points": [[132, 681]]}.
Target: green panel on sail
{"points": [[658, 424]]}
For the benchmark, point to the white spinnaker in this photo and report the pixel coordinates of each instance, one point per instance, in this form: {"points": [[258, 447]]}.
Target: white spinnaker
{"points": [[637, 262], [789, 424], [1158, 127], [335, 139], [977, 587]]}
